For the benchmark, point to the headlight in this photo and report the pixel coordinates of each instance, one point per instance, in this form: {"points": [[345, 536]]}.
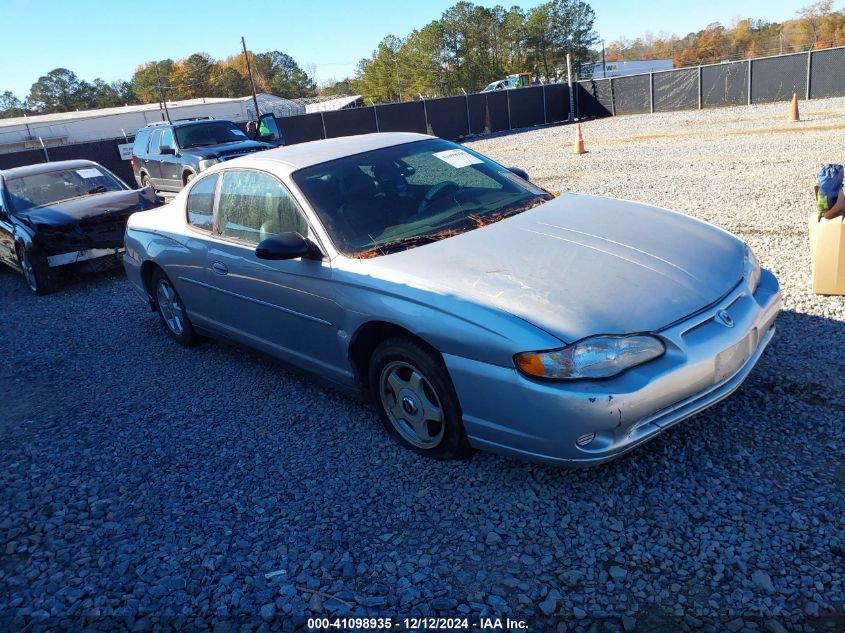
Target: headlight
{"points": [[752, 269], [208, 162], [596, 357]]}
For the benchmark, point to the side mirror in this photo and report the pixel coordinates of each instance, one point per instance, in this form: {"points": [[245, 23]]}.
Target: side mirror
{"points": [[519, 172], [289, 245], [166, 149]]}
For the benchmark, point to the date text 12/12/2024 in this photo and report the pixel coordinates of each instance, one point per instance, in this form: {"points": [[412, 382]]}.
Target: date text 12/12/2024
{"points": [[416, 624]]}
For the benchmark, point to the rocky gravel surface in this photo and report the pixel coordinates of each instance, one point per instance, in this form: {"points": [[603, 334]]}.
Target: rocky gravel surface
{"points": [[142, 484]]}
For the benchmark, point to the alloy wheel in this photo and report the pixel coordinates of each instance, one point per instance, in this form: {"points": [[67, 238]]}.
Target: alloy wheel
{"points": [[170, 308], [411, 404]]}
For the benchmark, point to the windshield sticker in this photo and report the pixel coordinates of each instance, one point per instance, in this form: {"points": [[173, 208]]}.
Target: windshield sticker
{"points": [[89, 173], [457, 158]]}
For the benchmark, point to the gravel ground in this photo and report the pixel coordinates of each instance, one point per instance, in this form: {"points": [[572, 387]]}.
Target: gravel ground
{"points": [[142, 480]]}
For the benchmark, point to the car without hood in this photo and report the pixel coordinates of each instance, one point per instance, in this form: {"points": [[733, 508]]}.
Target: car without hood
{"points": [[475, 309]]}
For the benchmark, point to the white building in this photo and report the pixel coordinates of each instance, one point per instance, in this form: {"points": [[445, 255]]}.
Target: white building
{"points": [[620, 68], [66, 128]]}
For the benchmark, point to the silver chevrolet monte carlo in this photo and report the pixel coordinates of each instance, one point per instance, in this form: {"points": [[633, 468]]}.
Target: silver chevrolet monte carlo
{"points": [[476, 309]]}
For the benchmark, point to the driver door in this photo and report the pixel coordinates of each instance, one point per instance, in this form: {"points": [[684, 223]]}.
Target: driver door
{"points": [[170, 164], [282, 307]]}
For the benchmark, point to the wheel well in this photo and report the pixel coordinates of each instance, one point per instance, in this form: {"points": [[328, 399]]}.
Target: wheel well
{"points": [[185, 174], [368, 337], [147, 270]]}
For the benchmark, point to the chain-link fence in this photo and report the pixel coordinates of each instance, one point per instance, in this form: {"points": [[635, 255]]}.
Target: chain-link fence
{"points": [[675, 90], [827, 73], [810, 75]]}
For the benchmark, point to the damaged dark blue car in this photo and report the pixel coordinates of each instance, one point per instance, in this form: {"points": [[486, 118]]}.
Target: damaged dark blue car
{"points": [[63, 213]]}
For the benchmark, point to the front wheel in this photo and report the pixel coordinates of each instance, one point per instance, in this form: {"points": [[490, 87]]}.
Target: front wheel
{"points": [[172, 310], [36, 272], [416, 400]]}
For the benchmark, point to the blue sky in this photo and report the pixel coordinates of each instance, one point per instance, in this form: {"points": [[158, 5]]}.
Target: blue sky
{"points": [[108, 39]]}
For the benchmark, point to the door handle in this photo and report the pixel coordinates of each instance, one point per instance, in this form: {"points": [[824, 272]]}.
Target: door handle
{"points": [[219, 268]]}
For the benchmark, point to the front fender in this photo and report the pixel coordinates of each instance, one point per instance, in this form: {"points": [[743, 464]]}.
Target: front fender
{"points": [[449, 324]]}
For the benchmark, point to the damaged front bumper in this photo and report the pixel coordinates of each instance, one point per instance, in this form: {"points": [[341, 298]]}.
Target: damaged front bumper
{"points": [[86, 255], [591, 422]]}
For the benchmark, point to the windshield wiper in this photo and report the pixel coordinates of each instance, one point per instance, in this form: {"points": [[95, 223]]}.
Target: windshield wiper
{"points": [[98, 189]]}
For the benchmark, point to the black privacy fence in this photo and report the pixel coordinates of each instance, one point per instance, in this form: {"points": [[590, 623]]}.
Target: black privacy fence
{"points": [[451, 118], [104, 152], [811, 75]]}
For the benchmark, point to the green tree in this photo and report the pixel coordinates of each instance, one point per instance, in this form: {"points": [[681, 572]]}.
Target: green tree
{"points": [[10, 106], [190, 78], [288, 79], [60, 90], [226, 81]]}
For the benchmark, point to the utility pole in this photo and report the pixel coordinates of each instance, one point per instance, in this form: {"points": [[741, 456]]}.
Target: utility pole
{"points": [[603, 64], [569, 81], [251, 79], [161, 93]]}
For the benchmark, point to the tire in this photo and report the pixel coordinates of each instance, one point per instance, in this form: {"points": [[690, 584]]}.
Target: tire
{"points": [[171, 310], [145, 181], [188, 177], [37, 274], [416, 400]]}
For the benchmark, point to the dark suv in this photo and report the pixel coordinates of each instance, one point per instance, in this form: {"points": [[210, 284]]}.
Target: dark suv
{"points": [[167, 155]]}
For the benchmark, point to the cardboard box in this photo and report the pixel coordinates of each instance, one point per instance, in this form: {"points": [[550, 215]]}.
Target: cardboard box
{"points": [[827, 254]]}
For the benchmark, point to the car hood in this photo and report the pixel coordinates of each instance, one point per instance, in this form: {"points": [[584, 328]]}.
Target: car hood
{"points": [[580, 265], [237, 147], [77, 209]]}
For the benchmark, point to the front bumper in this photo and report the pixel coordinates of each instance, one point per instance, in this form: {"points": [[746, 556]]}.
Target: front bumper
{"points": [[65, 259], [705, 361]]}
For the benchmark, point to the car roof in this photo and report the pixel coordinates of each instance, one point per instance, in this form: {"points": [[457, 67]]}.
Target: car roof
{"points": [[315, 152], [44, 168], [177, 123]]}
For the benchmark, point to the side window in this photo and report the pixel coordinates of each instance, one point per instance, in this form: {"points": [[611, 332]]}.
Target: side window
{"points": [[166, 137], [155, 142], [200, 205], [253, 206]]}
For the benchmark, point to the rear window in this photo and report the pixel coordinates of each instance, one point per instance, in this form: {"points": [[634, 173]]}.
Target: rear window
{"points": [[38, 190], [140, 145]]}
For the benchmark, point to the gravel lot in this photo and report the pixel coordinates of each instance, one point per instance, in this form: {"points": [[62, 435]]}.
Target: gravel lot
{"points": [[144, 480]]}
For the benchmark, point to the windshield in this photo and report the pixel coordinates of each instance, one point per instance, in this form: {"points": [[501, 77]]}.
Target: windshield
{"points": [[491, 86], [37, 190], [402, 196], [214, 133]]}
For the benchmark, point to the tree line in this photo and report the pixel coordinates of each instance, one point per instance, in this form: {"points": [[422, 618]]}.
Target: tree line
{"points": [[471, 46], [466, 48], [816, 26], [198, 75]]}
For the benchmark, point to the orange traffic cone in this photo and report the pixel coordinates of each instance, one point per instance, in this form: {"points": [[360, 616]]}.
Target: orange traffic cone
{"points": [[793, 109], [579, 141]]}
